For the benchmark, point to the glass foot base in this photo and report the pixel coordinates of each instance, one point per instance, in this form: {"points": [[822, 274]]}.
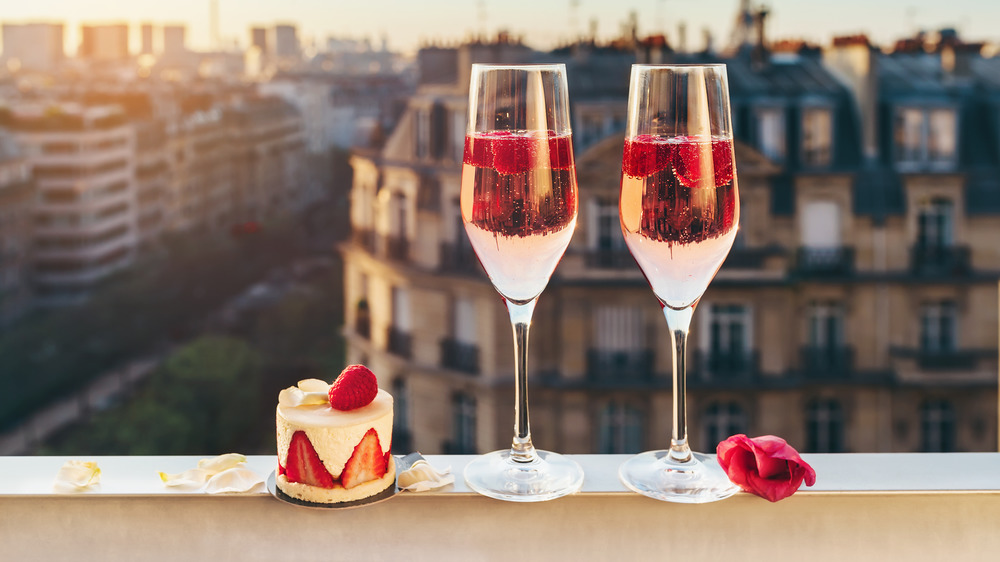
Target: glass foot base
{"points": [[655, 474], [548, 477]]}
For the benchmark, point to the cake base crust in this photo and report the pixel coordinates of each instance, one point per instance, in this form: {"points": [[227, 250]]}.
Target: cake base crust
{"points": [[337, 494]]}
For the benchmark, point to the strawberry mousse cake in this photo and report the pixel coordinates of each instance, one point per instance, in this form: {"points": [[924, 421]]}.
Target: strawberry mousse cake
{"points": [[334, 440]]}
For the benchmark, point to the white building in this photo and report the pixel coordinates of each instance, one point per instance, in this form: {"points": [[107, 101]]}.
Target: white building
{"points": [[85, 212], [32, 46]]}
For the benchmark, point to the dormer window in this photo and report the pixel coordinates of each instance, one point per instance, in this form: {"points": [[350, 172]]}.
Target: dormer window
{"points": [[771, 132], [926, 138], [422, 133], [817, 137]]}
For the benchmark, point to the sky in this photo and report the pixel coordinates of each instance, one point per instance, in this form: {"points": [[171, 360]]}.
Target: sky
{"points": [[406, 24]]}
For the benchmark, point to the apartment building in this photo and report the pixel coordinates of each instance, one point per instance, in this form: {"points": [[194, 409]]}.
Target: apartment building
{"points": [[17, 198], [201, 192], [85, 212]]}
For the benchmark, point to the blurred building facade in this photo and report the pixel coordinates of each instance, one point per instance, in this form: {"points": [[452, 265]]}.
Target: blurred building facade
{"points": [[857, 311], [85, 212], [104, 42], [17, 200], [33, 46]]}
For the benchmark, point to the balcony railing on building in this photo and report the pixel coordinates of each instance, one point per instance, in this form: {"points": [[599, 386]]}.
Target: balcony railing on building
{"points": [[724, 367], [399, 342], [944, 359], [460, 356], [747, 258], [827, 362], [838, 261], [620, 366], [940, 260], [397, 247], [458, 258], [365, 238]]}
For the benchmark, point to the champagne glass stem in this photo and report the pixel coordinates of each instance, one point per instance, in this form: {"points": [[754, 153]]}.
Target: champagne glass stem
{"points": [[521, 450], [679, 323]]}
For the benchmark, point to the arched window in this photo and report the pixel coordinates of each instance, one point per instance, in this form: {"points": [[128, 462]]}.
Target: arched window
{"points": [[937, 424], [721, 420], [824, 426], [620, 429]]}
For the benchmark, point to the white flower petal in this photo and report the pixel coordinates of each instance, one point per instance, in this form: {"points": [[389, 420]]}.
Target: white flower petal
{"points": [[421, 476], [76, 476], [309, 391], [194, 478], [217, 464], [314, 385], [234, 480]]}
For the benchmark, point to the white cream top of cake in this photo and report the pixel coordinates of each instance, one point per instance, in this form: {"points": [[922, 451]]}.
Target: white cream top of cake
{"points": [[334, 433]]}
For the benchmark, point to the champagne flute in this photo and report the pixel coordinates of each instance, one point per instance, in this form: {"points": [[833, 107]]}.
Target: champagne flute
{"points": [[679, 211], [519, 205]]}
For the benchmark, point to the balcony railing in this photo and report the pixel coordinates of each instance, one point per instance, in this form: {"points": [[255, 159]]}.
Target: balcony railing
{"points": [[365, 238], [940, 260], [460, 356], [827, 362], [825, 261], [747, 258], [609, 258], [399, 342], [458, 258], [619, 366], [944, 360], [397, 247], [891, 505], [724, 367]]}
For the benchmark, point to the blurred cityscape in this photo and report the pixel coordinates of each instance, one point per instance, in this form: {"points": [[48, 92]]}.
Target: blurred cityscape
{"points": [[184, 233]]}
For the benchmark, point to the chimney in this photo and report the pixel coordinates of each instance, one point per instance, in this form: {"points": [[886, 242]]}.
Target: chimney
{"points": [[854, 61]]}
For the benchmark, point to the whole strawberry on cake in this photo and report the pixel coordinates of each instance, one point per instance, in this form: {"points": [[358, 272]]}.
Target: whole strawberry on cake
{"points": [[334, 440]]}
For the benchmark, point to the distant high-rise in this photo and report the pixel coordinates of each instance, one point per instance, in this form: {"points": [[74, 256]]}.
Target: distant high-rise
{"points": [[284, 41], [104, 42], [258, 38], [32, 46], [147, 39], [173, 40]]}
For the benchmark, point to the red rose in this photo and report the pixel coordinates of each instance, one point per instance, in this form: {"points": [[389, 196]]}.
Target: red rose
{"points": [[766, 466]]}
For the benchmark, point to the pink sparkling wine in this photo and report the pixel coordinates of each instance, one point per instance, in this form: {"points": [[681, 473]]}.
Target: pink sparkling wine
{"points": [[519, 205], [679, 211]]}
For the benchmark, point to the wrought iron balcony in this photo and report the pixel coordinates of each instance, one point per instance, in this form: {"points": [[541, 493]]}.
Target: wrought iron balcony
{"points": [[724, 367], [365, 238], [458, 258], [397, 247], [609, 258], [837, 261], [399, 342], [944, 359], [940, 260], [460, 356], [620, 366], [827, 362]]}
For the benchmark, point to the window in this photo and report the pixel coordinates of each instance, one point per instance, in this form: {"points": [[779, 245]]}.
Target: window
{"points": [[938, 322], [458, 135], [620, 430], [422, 133], [720, 421], [463, 429], [618, 329], [825, 325], [934, 223], [820, 225], [398, 224], [401, 434], [465, 321], [401, 309], [824, 426], [729, 329], [771, 132], [604, 235], [937, 424], [817, 136], [926, 137]]}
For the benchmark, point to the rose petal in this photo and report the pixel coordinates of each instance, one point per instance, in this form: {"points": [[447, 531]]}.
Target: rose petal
{"points": [[222, 462], [208, 474], [766, 466], [195, 477], [308, 392], [75, 476], [314, 385]]}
